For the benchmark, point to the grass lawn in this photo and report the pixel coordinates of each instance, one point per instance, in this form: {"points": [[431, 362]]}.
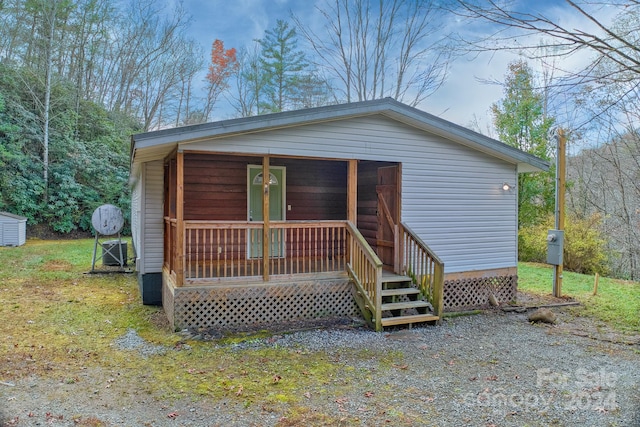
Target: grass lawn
{"points": [[617, 302], [58, 320]]}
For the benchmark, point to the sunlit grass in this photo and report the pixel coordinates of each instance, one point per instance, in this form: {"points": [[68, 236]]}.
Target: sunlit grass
{"points": [[56, 315], [617, 302]]}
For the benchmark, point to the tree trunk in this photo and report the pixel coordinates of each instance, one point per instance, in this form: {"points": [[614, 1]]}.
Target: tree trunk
{"points": [[47, 99]]}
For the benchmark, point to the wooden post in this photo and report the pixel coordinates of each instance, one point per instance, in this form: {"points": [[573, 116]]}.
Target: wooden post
{"points": [[595, 284], [180, 244], [266, 237], [378, 299], [352, 202], [560, 196], [398, 250], [438, 290], [352, 192]]}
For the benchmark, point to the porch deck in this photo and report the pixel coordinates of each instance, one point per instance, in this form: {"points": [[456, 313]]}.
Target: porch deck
{"points": [[314, 269]]}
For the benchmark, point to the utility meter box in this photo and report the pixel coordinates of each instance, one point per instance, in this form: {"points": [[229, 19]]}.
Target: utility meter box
{"points": [[555, 246]]}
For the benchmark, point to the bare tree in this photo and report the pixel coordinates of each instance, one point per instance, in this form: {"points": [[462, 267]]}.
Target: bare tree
{"points": [[250, 81], [606, 180], [544, 36], [191, 64], [381, 48], [42, 49], [604, 176]]}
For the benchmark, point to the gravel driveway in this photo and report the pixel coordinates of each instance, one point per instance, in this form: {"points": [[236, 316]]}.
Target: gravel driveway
{"points": [[493, 369]]}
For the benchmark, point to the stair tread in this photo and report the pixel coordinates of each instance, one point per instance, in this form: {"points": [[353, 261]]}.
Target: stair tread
{"points": [[399, 291], [395, 278], [403, 320], [406, 304]]}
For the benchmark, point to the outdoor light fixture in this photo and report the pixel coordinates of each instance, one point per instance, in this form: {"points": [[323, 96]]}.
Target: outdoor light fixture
{"points": [[507, 187]]}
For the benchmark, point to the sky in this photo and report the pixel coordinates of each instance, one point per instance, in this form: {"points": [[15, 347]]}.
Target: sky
{"points": [[463, 98]]}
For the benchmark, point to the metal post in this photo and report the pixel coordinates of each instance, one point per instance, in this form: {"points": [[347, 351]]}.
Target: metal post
{"points": [[93, 259]]}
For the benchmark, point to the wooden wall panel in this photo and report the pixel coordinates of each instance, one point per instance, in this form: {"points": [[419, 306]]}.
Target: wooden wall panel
{"points": [[215, 187], [368, 201], [316, 190]]}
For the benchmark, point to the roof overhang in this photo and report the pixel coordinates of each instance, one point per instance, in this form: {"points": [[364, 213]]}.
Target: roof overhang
{"points": [[157, 145]]}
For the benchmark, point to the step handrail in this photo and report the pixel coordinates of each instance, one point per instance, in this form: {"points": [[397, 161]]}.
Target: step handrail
{"points": [[365, 269], [423, 266]]}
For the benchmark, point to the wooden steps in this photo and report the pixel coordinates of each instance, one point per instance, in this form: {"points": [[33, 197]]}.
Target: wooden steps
{"points": [[408, 320], [392, 306], [401, 302], [399, 291]]}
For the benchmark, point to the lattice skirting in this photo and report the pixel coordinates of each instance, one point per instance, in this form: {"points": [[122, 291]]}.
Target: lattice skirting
{"points": [[247, 306], [473, 293]]}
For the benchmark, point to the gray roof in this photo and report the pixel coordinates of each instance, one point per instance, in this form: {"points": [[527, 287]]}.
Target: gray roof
{"points": [[157, 144], [13, 216]]}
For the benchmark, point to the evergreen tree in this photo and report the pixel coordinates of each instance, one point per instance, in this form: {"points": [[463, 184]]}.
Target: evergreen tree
{"points": [[520, 121], [283, 65]]}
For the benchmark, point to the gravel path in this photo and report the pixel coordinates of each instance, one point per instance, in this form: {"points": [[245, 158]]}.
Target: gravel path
{"points": [[493, 369]]}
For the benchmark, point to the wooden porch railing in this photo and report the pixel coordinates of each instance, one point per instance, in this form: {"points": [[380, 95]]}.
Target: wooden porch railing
{"points": [[365, 269], [423, 266], [233, 249]]}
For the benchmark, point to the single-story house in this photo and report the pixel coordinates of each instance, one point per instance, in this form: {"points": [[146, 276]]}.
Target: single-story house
{"points": [[371, 208], [13, 229]]}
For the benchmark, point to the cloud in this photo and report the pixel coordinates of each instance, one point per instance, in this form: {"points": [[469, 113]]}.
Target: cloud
{"points": [[462, 99]]}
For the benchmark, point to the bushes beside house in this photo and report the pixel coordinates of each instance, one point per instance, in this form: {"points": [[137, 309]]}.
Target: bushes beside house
{"points": [[584, 245]]}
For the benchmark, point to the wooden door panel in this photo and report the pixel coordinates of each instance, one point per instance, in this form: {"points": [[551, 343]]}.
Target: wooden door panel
{"points": [[387, 190]]}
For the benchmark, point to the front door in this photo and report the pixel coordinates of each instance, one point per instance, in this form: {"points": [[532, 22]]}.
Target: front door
{"points": [[277, 193], [388, 213]]}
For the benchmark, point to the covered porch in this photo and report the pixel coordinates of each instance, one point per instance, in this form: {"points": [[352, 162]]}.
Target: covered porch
{"points": [[318, 238]]}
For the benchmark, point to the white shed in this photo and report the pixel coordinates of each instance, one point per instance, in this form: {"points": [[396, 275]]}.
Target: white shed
{"points": [[13, 229]]}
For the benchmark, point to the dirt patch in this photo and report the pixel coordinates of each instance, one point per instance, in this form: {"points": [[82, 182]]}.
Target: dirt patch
{"points": [[529, 300], [570, 321], [57, 265], [45, 232]]}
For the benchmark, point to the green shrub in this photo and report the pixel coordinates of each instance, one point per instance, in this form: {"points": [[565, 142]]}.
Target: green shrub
{"points": [[584, 246]]}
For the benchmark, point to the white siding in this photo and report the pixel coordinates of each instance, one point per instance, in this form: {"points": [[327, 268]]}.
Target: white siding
{"points": [[22, 233], [9, 234], [136, 210], [12, 230], [151, 221], [451, 195]]}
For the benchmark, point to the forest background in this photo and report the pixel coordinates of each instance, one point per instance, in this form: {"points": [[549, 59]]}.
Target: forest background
{"points": [[77, 78]]}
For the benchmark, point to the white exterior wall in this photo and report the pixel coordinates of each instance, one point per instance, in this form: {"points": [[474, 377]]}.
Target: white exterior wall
{"points": [[452, 195], [153, 217], [147, 223], [136, 218], [22, 233]]}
